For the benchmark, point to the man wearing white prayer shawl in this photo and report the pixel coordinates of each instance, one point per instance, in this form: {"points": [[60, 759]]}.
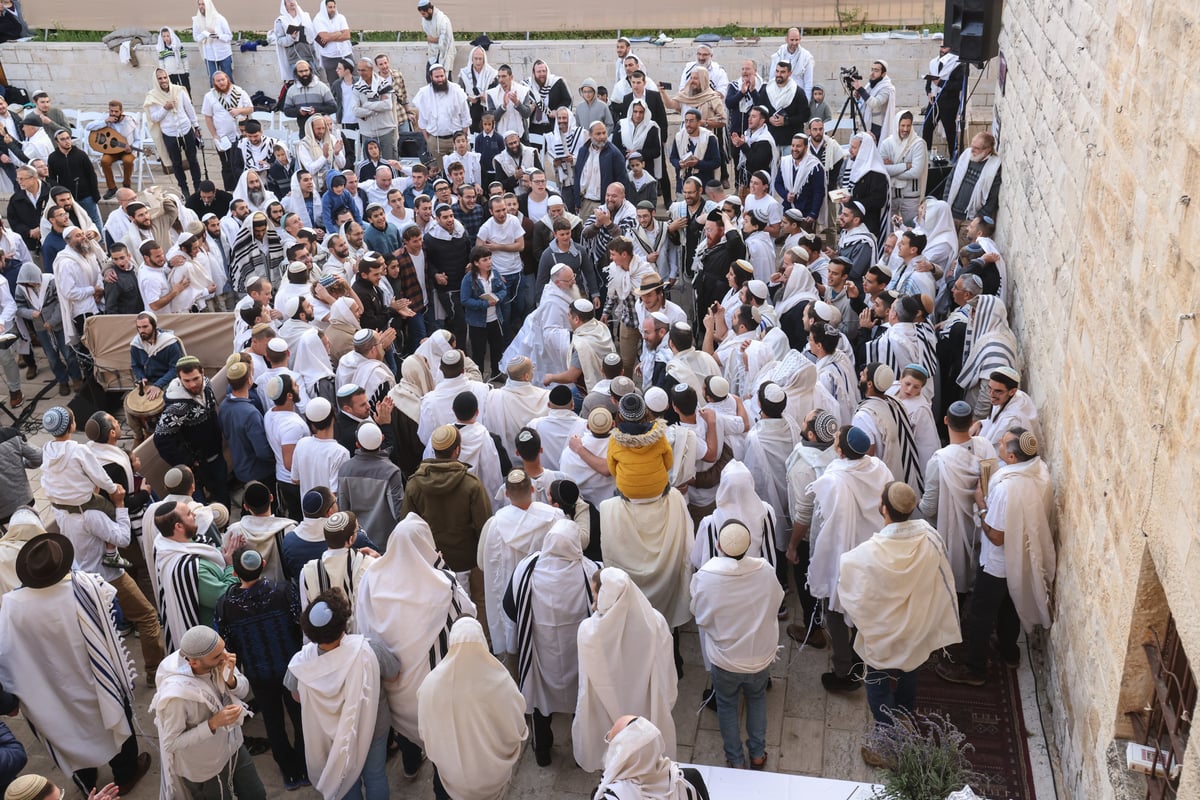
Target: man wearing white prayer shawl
{"points": [[845, 514], [558, 426], [835, 370], [1011, 407], [513, 533], [637, 768], [689, 365], [901, 344], [591, 341], [797, 376], [437, 405], [734, 597], [408, 602], [549, 596], [625, 665], [545, 336], [61, 655], [198, 710], [477, 448], [898, 591], [886, 423], [1015, 581], [951, 478], [768, 445], [24, 525], [988, 345], [471, 718], [515, 404], [650, 540], [336, 678], [877, 102], [737, 500]]}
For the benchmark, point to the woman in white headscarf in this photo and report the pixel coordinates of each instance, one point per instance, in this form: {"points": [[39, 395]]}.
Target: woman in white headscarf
{"points": [[408, 605], [471, 717], [294, 38], [549, 595], [867, 181], [172, 57], [636, 766], [626, 666], [476, 78]]}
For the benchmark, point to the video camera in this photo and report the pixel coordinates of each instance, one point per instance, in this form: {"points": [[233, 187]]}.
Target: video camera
{"points": [[849, 75]]}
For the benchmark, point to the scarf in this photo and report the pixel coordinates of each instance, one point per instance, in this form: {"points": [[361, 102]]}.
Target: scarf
{"points": [[339, 701], [177, 566], [208, 19], [542, 106], [633, 137], [979, 193], [799, 287], [173, 50], [780, 97], [247, 259], [684, 145], [737, 500], [707, 96], [157, 97], [867, 160]]}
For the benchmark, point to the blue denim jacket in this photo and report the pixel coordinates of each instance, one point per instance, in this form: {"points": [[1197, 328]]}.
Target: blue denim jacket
{"points": [[474, 304]]}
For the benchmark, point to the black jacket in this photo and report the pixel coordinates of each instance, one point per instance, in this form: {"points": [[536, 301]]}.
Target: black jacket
{"points": [[74, 170], [219, 205], [449, 256], [24, 216], [375, 314]]}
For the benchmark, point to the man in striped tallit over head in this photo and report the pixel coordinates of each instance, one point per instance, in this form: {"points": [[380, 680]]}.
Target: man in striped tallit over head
{"points": [[885, 421], [191, 575]]}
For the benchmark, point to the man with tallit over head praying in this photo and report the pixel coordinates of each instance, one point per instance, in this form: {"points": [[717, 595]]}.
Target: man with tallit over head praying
{"points": [[635, 766], [549, 596], [408, 601], [471, 717], [625, 664]]}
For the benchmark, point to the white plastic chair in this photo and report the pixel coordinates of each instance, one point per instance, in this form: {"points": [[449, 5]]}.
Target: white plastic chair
{"points": [[142, 161]]}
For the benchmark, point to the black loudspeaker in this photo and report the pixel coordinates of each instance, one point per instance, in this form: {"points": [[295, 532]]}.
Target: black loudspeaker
{"points": [[973, 28]]}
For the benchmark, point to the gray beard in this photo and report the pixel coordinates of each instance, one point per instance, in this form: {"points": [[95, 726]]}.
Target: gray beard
{"points": [[256, 196]]}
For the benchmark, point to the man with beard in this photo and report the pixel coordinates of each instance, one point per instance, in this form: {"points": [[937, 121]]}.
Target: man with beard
{"points": [[756, 147], [744, 94], [943, 87], [256, 149], [510, 103], [307, 96], [550, 92], [616, 217], [447, 251], [686, 226], [191, 575], [800, 181], [77, 272], [788, 105], [173, 125], [441, 111], [26, 205], [886, 423], [877, 102], [372, 108], [208, 199], [224, 106], [799, 59], [70, 167], [599, 165], [250, 188], [231, 223], [257, 250], [514, 165], [974, 188], [830, 153], [906, 158], [189, 432], [856, 243], [439, 35], [153, 354], [715, 254], [717, 76]]}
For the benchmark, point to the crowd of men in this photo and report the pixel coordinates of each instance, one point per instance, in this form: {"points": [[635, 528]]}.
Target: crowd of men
{"points": [[502, 420]]}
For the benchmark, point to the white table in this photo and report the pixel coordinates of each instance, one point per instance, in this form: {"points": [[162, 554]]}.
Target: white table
{"points": [[742, 784]]}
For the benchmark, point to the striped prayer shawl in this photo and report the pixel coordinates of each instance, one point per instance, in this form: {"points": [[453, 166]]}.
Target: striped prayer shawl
{"points": [[182, 601], [441, 644], [884, 408], [989, 342], [111, 665], [524, 598], [247, 258]]}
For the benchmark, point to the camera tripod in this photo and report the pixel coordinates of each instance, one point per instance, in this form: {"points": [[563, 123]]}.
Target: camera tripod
{"points": [[856, 117]]}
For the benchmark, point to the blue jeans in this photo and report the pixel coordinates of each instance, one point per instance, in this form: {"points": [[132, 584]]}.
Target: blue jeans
{"points": [[372, 783], [93, 210], [881, 695], [415, 333], [224, 65], [728, 685], [512, 309], [61, 358]]}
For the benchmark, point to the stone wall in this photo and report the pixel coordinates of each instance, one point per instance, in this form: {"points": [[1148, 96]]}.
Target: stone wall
{"points": [[86, 76], [1102, 170]]}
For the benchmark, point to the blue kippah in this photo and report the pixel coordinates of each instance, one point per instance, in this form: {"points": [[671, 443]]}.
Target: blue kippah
{"points": [[57, 421], [320, 614], [858, 441], [960, 408], [312, 502]]}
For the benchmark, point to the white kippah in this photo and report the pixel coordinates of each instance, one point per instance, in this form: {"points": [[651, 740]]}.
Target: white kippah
{"points": [[198, 642], [583, 306], [773, 393], [362, 336], [277, 345], [451, 357]]}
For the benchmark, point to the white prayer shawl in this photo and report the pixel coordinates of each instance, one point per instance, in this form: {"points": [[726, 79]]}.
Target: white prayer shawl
{"points": [[836, 373], [683, 454], [692, 366], [310, 360], [176, 564], [472, 718], [376, 378], [886, 117], [111, 454], [636, 767], [846, 501], [437, 406], [731, 358], [473, 82], [545, 336], [763, 134], [294, 202], [898, 591], [408, 604], [683, 145], [240, 192], [553, 594], [651, 540], [989, 342], [592, 341], [1029, 557], [761, 358], [281, 50], [508, 118], [512, 407], [800, 286], [633, 137], [780, 97], [957, 474], [10, 545], [795, 176], [768, 444], [892, 434], [60, 653], [798, 378], [559, 425], [898, 150], [942, 67], [594, 487], [80, 271], [333, 569], [735, 603], [265, 535], [150, 534], [737, 500], [899, 346], [983, 186], [511, 535], [990, 248], [626, 666], [339, 701], [1018, 412], [867, 160], [920, 416], [941, 245]]}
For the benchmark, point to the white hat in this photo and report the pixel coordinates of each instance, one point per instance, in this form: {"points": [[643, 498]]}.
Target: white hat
{"points": [[557, 268], [734, 539], [277, 345], [369, 436], [318, 410], [451, 357], [583, 306], [758, 289], [717, 386], [773, 393], [553, 201], [290, 305], [657, 400], [296, 267]]}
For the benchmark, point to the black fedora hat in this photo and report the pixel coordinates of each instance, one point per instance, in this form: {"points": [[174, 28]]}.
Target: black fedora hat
{"points": [[44, 560]]}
